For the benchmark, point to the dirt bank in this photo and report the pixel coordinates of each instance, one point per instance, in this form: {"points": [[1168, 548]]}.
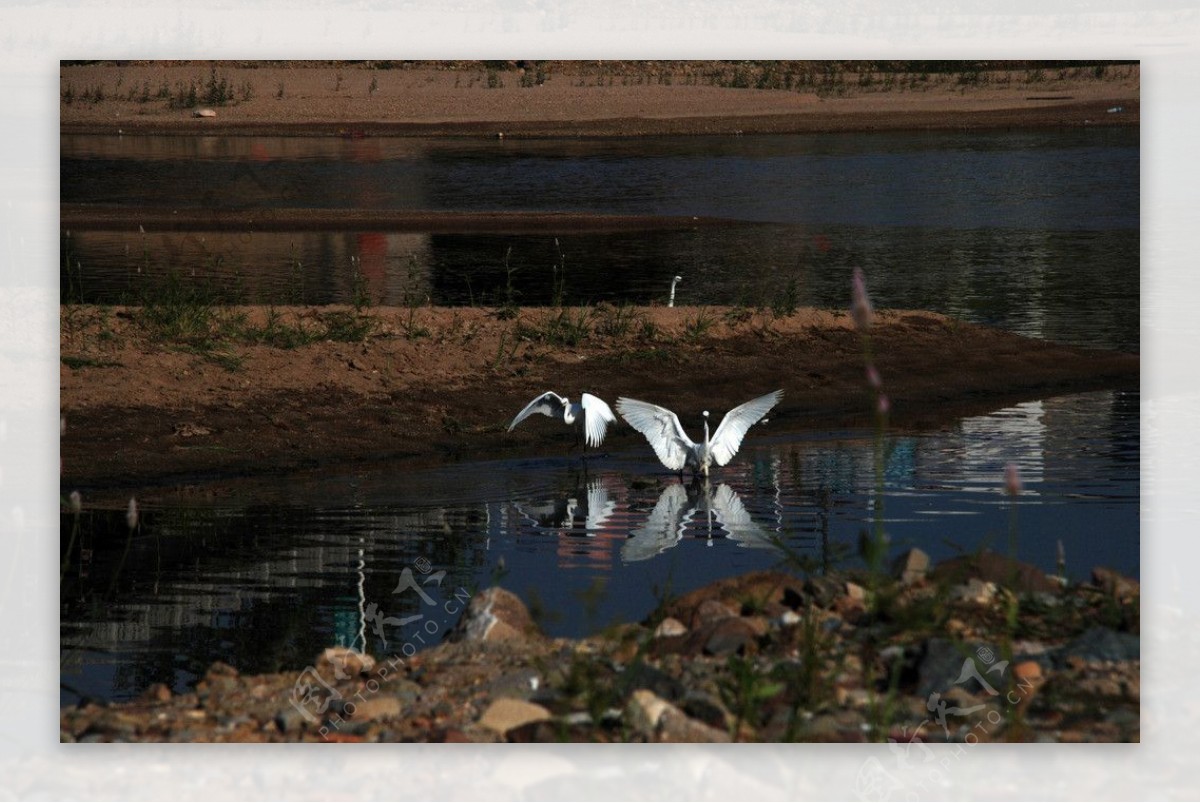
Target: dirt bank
{"points": [[158, 398], [580, 98]]}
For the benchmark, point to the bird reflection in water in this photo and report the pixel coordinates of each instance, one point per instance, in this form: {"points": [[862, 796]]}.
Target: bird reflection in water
{"points": [[591, 524], [724, 516]]}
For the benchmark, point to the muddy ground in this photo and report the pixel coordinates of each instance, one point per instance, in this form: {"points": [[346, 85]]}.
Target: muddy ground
{"points": [[239, 394]]}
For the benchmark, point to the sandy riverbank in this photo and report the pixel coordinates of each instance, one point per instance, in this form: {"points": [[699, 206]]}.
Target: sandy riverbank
{"points": [[578, 99]]}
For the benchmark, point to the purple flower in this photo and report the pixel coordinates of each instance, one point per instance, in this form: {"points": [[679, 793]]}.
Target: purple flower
{"points": [[860, 304], [873, 378], [1012, 479]]}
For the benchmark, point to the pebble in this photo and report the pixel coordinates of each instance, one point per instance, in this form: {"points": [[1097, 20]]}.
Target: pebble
{"points": [[712, 610], [678, 727], [644, 711], [1114, 584], [658, 720], [376, 707], [975, 591], [495, 615], [340, 663], [1028, 672], [728, 637], [790, 619], [911, 567], [507, 713], [158, 692]]}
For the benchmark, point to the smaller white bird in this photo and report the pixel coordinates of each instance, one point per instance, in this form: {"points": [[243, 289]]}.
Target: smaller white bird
{"points": [[676, 450], [590, 411], [671, 300]]}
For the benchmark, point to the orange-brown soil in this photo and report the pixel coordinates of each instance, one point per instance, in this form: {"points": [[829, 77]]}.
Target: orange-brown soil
{"points": [[436, 384]]}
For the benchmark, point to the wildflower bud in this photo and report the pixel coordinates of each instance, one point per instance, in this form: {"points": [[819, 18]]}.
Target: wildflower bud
{"points": [[882, 405], [873, 378], [1012, 479], [131, 515], [860, 304], [76, 501]]}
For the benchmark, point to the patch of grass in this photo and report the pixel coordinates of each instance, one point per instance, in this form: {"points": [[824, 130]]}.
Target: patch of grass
{"points": [[589, 685], [360, 289], [807, 682], [698, 326], [738, 315], [787, 301], [277, 333], [181, 312], [636, 356], [615, 321], [648, 331], [744, 688], [87, 362], [564, 328], [559, 284], [348, 327]]}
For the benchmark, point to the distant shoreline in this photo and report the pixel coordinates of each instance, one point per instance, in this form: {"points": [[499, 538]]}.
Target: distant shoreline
{"points": [[355, 102]]}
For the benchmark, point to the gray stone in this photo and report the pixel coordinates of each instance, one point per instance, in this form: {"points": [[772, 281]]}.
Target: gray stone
{"points": [[521, 683], [943, 663], [289, 720], [644, 676], [1101, 644], [706, 708]]}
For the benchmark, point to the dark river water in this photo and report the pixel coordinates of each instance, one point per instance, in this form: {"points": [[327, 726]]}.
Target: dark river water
{"points": [[1037, 232]]}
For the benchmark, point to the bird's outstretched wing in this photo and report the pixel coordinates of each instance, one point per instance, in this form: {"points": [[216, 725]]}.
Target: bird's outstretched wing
{"points": [[727, 506], [661, 428], [728, 437], [663, 528], [549, 403], [599, 507], [596, 417]]}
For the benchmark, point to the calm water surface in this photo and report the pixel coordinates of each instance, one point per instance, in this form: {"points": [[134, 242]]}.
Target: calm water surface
{"points": [[1032, 231], [1036, 232], [265, 581]]}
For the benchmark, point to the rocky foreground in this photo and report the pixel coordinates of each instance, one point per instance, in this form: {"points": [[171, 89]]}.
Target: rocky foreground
{"points": [[976, 649]]}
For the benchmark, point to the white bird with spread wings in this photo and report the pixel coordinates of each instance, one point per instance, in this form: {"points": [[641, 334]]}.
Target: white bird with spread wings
{"points": [[590, 411], [676, 450]]}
